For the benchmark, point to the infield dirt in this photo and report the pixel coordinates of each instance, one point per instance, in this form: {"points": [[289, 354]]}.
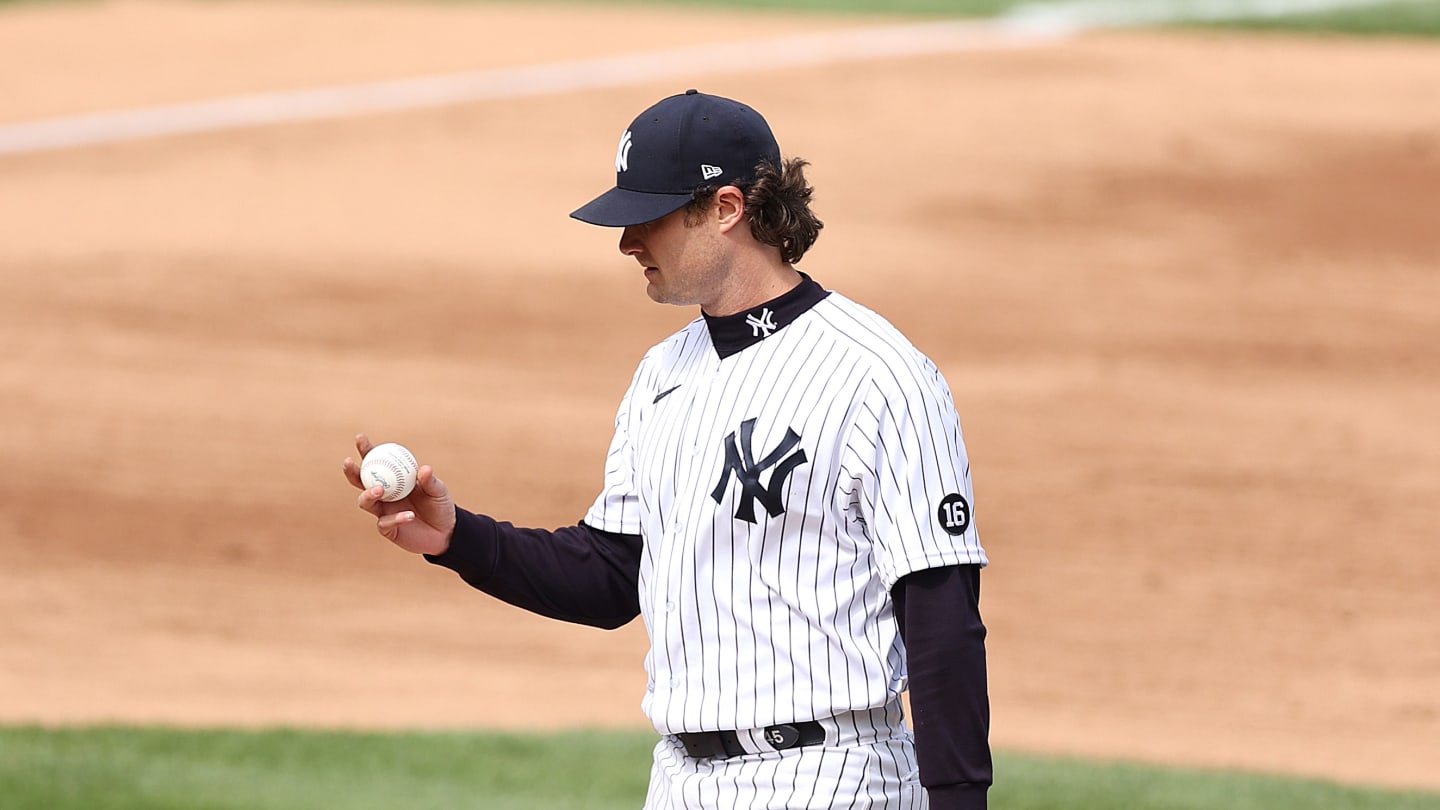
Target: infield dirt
{"points": [[1184, 287]]}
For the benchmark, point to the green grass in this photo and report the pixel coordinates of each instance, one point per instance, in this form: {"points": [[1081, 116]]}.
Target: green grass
{"points": [[1054, 783], [1390, 19], [119, 768], [123, 768]]}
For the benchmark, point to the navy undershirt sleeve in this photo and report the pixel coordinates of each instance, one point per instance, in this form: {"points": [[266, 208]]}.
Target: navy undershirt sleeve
{"points": [[576, 574], [938, 613]]}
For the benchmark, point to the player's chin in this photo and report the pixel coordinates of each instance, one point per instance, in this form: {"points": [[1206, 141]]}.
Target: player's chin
{"points": [[654, 286]]}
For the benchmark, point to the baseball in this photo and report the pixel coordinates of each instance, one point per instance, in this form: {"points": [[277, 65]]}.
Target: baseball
{"points": [[391, 466]]}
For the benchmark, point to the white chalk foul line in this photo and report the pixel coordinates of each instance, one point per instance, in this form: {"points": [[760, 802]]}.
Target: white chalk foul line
{"points": [[512, 82]]}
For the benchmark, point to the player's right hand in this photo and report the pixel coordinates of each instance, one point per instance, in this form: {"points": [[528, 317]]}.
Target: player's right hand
{"points": [[421, 522]]}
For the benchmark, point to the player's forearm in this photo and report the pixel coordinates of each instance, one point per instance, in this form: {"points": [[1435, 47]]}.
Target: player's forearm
{"points": [[939, 618], [575, 574]]}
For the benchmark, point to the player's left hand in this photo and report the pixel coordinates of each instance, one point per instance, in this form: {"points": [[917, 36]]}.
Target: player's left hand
{"points": [[422, 522]]}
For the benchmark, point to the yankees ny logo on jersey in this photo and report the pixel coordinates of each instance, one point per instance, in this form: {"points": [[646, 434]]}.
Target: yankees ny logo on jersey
{"points": [[763, 325], [747, 472]]}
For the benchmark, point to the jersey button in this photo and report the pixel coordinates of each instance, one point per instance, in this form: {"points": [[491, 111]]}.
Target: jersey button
{"points": [[669, 607]]}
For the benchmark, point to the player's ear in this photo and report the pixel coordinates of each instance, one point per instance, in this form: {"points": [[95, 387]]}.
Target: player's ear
{"points": [[729, 207]]}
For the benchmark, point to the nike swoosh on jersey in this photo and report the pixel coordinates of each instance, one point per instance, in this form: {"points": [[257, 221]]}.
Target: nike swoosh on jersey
{"points": [[667, 392]]}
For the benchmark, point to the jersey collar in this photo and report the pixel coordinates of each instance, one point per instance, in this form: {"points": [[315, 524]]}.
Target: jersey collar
{"points": [[735, 333]]}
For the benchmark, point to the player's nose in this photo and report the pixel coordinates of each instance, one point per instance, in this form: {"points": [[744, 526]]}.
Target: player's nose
{"points": [[630, 242]]}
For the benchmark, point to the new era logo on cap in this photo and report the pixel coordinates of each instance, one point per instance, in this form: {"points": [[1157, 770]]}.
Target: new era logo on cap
{"points": [[656, 160]]}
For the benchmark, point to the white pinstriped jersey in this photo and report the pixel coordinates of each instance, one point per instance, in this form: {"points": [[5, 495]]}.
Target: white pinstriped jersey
{"points": [[781, 492]]}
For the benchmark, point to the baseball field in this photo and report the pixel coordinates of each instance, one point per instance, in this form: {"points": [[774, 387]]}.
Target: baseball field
{"points": [[1184, 282]]}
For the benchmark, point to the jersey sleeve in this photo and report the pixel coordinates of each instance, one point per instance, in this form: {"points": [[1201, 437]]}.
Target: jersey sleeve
{"points": [[617, 508], [915, 495], [574, 574]]}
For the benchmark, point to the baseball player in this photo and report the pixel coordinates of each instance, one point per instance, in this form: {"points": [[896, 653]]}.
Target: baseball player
{"points": [[787, 503]]}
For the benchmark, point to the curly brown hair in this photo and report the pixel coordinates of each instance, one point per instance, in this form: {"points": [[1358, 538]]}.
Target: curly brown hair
{"points": [[777, 203]]}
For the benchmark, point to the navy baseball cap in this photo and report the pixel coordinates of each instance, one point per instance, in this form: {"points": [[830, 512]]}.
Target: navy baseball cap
{"points": [[679, 144]]}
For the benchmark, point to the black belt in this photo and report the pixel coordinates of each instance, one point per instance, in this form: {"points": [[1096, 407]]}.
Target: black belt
{"points": [[722, 744]]}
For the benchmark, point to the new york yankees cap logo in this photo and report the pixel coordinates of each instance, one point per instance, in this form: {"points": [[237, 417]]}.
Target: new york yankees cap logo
{"points": [[622, 153], [677, 145]]}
